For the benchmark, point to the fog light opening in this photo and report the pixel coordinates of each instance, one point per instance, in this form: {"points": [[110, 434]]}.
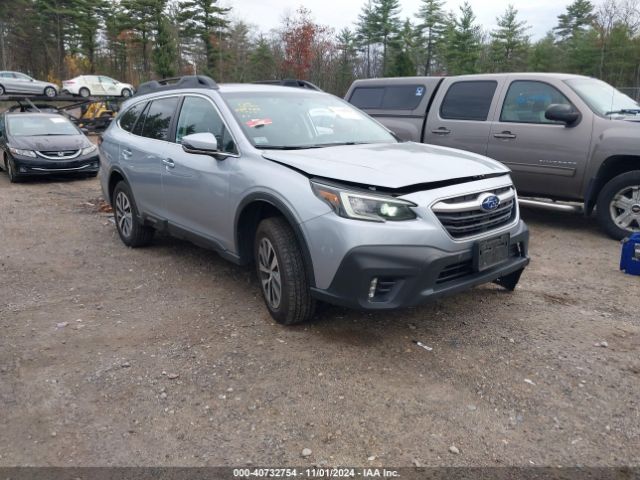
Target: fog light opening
{"points": [[372, 288]]}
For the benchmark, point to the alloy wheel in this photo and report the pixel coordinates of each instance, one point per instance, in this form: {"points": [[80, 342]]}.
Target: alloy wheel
{"points": [[269, 273], [625, 208], [124, 216]]}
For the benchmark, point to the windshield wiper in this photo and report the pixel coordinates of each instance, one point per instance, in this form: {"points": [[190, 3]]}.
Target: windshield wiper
{"points": [[305, 147], [632, 111]]}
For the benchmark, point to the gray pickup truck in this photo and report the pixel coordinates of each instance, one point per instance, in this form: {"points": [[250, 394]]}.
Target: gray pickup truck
{"points": [[565, 137]]}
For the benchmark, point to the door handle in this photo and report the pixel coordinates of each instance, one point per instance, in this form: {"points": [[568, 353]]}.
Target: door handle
{"points": [[126, 153], [505, 134], [441, 131], [168, 162]]}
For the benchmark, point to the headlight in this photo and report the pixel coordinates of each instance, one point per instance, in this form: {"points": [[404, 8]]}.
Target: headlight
{"points": [[88, 150], [24, 153], [362, 206]]}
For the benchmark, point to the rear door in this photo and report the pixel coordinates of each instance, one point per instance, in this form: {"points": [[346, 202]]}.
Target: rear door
{"points": [[461, 113], [142, 152], [546, 157], [196, 187], [11, 83], [25, 84], [94, 85]]}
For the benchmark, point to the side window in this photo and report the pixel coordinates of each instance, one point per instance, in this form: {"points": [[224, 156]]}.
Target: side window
{"points": [[199, 116], [396, 97], [367, 97], [158, 118], [128, 118], [468, 100], [527, 102]]}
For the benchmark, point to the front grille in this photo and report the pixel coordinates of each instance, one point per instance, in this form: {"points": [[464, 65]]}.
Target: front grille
{"points": [[464, 216], [59, 154]]}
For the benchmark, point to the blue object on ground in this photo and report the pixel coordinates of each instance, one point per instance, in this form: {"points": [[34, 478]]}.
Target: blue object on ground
{"points": [[630, 259]]}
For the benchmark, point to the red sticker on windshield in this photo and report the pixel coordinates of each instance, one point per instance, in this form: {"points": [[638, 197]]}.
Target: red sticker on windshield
{"points": [[258, 122]]}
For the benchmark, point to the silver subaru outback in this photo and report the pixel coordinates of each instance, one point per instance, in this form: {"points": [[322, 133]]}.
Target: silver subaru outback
{"points": [[325, 201]]}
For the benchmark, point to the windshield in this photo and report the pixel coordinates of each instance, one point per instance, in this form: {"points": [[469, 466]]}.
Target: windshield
{"points": [[292, 120], [29, 126], [602, 98]]}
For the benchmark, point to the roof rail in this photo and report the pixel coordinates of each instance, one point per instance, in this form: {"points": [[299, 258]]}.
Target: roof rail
{"points": [[291, 82], [188, 81]]}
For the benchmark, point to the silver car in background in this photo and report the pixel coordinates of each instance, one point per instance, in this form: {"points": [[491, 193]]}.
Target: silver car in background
{"points": [[16, 82], [325, 201]]}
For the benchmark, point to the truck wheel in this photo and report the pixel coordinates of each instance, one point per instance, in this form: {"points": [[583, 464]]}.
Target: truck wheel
{"points": [[84, 92], [618, 206], [131, 230], [282, 273]]}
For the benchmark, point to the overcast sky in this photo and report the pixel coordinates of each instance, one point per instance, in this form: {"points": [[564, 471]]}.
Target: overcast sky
{"points": [[266, 14]]}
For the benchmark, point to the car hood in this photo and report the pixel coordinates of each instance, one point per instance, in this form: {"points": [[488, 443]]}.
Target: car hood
{"points": [[389, 165], [50, 142]]}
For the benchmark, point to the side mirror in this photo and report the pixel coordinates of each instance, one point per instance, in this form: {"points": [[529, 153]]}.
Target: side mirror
{"points": [[564, 113], [202, 144]]}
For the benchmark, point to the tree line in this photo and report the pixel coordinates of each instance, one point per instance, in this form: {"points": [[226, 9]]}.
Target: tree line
{"points": [[138, 40]]}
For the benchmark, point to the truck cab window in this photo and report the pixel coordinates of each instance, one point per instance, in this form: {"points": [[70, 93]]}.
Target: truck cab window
{"points": [[468, 100], [527, 102]]}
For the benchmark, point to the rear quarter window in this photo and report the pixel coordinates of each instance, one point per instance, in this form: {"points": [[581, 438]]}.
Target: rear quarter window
{"points": [[396, 97], [468, 100], [128, 119], [158, 118]]}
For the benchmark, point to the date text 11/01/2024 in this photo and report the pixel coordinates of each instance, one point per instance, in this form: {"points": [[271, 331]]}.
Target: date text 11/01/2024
{"points": [[315, 473]]}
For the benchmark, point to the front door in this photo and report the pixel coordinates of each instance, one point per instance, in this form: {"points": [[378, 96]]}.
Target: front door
{"points": [[547, 158], [196, 186]]}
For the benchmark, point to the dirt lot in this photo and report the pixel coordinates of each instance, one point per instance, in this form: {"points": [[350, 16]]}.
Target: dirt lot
{"points": [[167, 356]]}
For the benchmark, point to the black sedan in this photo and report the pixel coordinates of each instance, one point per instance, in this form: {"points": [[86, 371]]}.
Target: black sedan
{"points": [[43, 144]]}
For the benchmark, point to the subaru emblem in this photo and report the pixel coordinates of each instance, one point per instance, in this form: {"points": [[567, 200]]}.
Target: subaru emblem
{"points": [[490, 202], [61, 154]]}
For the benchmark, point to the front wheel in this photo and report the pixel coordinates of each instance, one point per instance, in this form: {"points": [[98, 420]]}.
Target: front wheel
{"points": [[132, 231], [282, 272], [618, 206], [84, 92], [50, 92], [10, 167]]}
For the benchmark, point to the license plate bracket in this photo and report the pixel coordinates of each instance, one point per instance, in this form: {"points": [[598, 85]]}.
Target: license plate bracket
{"points": [[491, 252]]}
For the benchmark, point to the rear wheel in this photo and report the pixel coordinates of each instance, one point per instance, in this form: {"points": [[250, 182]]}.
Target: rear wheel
{"points": [[50, 92], [131, 230], [2, 90], [619, 205], [282, 272], [126, 93], [84, 92]]}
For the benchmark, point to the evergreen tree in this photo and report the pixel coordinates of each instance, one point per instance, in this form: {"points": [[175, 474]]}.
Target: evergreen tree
{"points": [[431, 27], [463, 42], [367, 33], [403, 47], [164, 51], [544, 54], [387, 23], [578, 17], [346, 44], [509, 42], [262, 64], [205, 20]]}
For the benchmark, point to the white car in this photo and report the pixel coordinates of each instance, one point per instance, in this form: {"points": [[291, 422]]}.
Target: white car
{"points": [[97, 85]]}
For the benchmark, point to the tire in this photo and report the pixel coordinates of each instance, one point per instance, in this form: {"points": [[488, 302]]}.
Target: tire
{"points": [[2, 90], [84, 92], [618, 206], [277, 251], [10, 167], [131, 230], [126, 93], [50, 92]]}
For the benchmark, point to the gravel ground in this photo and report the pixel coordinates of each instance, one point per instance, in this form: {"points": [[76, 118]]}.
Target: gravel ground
{"points": [[167, 356]]}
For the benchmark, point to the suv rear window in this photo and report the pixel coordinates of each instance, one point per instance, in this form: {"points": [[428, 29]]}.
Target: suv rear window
{"points": [[397, 97], [468, 100], [158, 118]]}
